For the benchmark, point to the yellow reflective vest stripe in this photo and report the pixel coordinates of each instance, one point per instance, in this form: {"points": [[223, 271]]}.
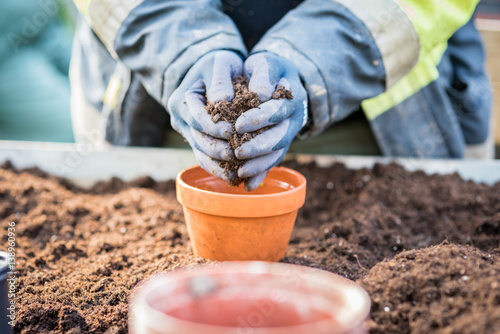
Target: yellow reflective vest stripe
{"points": [[435, 22], [106, 17]]}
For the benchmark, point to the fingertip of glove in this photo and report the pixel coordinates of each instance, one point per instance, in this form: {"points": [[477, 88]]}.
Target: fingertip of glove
{"points": [[228, 131], [250, 186], [220, 96], [240, 153], [244, 172], [255, 181], [241, 124], [229, 154], [224, 175]]}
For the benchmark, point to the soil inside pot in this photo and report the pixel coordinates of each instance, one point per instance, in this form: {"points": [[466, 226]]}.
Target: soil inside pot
{"points": [[80, 254], [243, 100]]}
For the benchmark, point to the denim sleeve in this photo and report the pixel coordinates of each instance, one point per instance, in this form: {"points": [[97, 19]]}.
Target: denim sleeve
{"points": [[160, 40], [463, 74], [336, 56]]}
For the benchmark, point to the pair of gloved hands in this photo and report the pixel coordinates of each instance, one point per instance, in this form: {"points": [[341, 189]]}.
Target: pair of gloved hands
{"points": [[213, 74]]}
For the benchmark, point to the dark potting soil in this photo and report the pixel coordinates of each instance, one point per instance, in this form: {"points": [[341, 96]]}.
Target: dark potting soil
{"points": [[459, 292], [243, 100], [426, 248]]}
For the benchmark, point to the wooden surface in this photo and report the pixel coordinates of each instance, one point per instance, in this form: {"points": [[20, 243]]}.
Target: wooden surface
{"points": [[490, 30]]}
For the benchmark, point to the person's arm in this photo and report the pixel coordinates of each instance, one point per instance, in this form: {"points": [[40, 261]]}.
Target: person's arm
{"points": [[161, 40], [347, 51], [181, 51]]}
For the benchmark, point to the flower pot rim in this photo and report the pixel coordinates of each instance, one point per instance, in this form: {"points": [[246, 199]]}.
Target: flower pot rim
{"points": [[352, 294], [201, 200], [249, 195]]}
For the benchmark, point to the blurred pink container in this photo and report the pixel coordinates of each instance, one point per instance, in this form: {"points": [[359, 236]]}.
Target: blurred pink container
{"points": [[249, 298]]}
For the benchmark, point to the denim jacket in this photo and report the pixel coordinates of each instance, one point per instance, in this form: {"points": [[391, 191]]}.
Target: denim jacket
{"points": [[416, 68]]}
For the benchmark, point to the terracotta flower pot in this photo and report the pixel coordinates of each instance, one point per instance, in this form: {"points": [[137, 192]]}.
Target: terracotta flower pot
{"points": [[249, 298], [227, 223]]}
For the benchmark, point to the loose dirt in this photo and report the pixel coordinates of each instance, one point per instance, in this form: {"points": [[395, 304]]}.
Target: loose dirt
{"points": [[442, 289], [426, 248], [243, 100]]}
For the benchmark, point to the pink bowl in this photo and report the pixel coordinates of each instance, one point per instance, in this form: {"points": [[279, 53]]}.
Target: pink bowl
{"points": [[249, 298]]}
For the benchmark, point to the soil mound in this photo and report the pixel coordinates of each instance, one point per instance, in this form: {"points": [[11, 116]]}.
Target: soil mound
{"points": [[80, 254], [441, 289]]}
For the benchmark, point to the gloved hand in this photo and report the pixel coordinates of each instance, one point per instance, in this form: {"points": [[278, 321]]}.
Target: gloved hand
{"points": [[266, 71], [213, 74]]}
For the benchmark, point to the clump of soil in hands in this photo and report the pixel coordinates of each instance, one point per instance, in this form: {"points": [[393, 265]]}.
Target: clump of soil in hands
{"points": [[282, 93], [243, 100], [229, 111]]}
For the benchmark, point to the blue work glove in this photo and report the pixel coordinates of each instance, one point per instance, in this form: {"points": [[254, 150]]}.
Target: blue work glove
{"points": [[211, 74], [266, 72]]}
